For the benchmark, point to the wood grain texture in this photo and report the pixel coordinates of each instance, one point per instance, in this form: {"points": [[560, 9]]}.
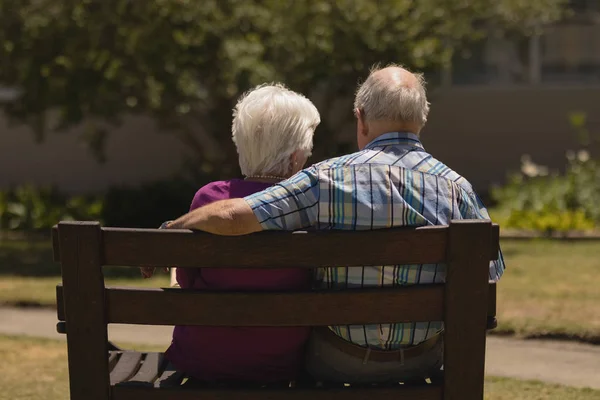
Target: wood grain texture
{"points": [[495, 245], [113, 357], [122, 317], [467, 246], [491, 309], [181, 248], [120, 231], [170, 377], [80, 253], [429, 392], [348, 307], [126, 367], [60, 303], [492, 322], [466, 309], [150, 370]]}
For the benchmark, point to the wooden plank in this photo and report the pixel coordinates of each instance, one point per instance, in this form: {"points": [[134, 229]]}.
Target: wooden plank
{"points": [[182, 248], [466, 309], [149, 371], [495, 242], [55, 243], [113, 357], [80, 253], [170, 377], [400, 392], [491, 301], [61, 327], [318, 308], [126, 367], [60, 304]]}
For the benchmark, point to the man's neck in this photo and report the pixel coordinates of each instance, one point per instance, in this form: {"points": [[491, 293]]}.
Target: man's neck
{"points": [[378, 128]]}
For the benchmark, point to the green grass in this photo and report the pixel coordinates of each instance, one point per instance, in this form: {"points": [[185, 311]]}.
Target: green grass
{"points": [[36, 369], [513, 389], [28, 276], [549, 288]]}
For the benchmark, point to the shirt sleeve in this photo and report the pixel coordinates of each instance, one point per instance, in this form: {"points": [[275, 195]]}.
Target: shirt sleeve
{"points": [[289, 205]]}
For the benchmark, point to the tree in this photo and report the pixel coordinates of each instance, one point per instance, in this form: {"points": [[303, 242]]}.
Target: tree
{"points": [[185, 62]]}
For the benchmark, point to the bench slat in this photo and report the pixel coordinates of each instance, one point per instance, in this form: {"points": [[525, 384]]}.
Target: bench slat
{"points": [[169, 378], [182, 248], [127, 365], [113, 356], [184, 307], [491, 302], [426, 392], [149, 371], [132, 247]]}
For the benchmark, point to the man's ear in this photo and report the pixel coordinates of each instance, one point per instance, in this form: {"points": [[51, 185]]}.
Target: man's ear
{"points": [[361, 123]]}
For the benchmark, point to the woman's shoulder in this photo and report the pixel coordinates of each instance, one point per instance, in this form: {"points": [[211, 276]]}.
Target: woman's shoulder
{"points": [[211, 192], [218, 190]]}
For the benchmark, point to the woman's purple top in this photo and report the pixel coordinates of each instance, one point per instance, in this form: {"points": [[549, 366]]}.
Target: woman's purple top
{"points": [[240, 354]]}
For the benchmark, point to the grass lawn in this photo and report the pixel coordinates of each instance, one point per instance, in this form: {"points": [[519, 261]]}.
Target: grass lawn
{"points": [[28, 276], [36, 369], [550, 287]]}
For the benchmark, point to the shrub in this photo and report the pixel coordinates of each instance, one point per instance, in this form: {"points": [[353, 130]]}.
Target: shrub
{"points": [[551, 202], [29, 208]]}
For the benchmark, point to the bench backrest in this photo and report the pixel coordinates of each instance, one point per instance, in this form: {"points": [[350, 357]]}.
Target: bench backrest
{"points": [[462, 302]]}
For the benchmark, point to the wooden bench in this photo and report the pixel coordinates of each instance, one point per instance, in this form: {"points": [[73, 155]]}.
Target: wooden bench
{"points": [[86, 306]]}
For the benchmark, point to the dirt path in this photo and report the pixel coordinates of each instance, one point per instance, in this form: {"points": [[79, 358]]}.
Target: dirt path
{"points": [[564, 363]]}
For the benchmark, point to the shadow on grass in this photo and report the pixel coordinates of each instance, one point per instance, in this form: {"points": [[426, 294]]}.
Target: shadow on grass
{"points": [[557, 336], [33, 258]]}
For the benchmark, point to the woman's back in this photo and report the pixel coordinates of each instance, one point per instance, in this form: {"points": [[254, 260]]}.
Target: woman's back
{"points": [[241, 354]]}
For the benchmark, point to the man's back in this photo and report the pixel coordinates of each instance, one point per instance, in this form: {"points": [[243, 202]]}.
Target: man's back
{"points": [[392, 182]]}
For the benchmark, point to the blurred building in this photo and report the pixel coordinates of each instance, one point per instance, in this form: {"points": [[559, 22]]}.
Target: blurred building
{"points": [[510, 96], [505, 97]]}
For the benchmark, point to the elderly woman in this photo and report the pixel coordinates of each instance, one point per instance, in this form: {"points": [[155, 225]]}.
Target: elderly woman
{"points": [[273, 131]]}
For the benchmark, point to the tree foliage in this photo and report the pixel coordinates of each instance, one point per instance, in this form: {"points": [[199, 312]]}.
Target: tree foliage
{"points": [[184, 62]]}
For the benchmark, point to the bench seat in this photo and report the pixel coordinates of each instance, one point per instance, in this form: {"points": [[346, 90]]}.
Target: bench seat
{"points": [[136, 375]]}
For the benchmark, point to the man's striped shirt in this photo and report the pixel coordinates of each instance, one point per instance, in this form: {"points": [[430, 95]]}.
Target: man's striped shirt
{"points": [[393, 182]]}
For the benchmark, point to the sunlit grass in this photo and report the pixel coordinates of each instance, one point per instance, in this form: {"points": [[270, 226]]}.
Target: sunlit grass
{"points": [[36, 369]]}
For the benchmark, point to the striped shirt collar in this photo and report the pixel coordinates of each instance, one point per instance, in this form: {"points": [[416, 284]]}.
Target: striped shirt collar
{"points": [[403, 139]]}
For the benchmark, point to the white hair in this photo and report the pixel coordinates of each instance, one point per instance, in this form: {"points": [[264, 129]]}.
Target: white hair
{"points": [[270, 122], [380, 99]]}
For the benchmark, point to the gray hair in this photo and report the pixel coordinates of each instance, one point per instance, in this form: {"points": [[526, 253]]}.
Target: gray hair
{"points": [[270, 122], [381, 99]]}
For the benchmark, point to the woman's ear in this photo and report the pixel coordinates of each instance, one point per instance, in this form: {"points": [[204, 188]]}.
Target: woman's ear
{"points": [[297, 161]]}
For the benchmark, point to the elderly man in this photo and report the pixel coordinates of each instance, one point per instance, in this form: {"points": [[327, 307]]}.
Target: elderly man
{"points": [[391, 181]]}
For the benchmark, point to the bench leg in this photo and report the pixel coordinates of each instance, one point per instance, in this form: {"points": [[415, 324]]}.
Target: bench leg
{"points": [[87, 337], [466, 310]]}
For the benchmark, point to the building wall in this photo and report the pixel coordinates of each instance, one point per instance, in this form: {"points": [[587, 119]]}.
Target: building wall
{"points": [[136, 153], [481, 132]]}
